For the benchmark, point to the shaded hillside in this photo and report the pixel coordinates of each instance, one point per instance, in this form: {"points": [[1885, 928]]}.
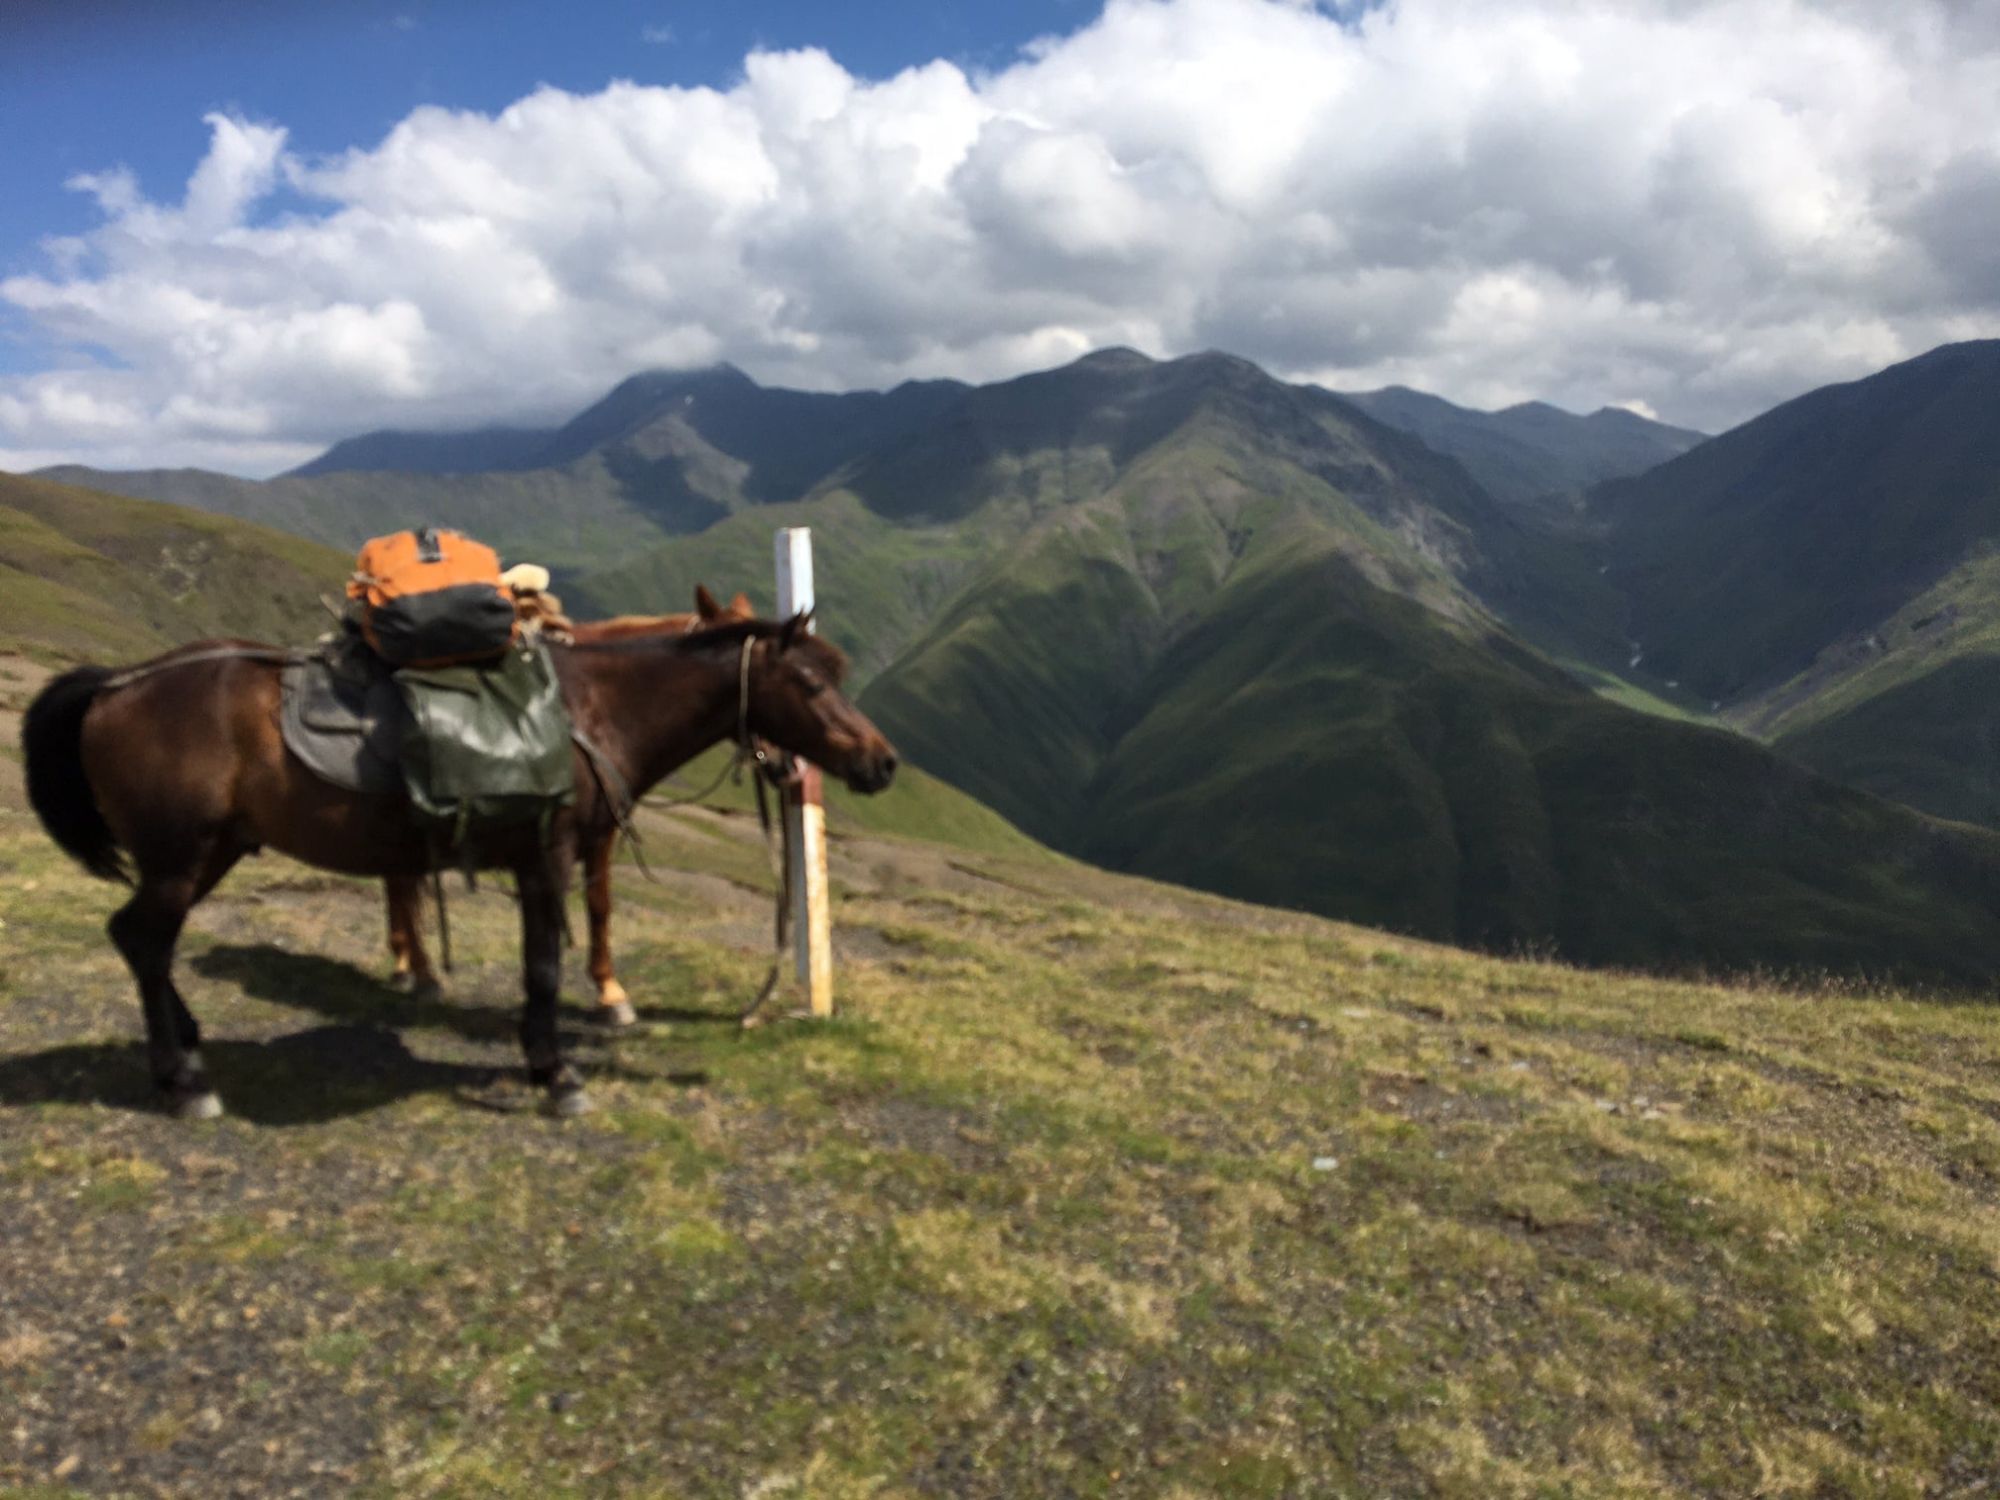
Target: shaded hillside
{"points": [[1315, 741], [1171, 436], [1533, 455], [1747, 556], [785, 441], [771, 444], [84, 574]]}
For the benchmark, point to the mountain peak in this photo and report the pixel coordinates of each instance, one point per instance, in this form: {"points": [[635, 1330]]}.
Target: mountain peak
{"points": [[1117, 358], [719, 376]]}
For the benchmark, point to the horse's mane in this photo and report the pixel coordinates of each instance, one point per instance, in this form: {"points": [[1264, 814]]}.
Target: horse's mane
{"points": [[827, 656], [622, 627]]}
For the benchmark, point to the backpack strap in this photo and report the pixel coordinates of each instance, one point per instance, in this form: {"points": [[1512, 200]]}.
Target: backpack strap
{"points": [[430, 548]]}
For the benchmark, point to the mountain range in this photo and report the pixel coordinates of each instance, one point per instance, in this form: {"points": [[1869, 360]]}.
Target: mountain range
{"points": [[1347, 653]]}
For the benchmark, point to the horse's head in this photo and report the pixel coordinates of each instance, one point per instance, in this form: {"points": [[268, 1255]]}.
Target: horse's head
{"points": [[795, 701]]}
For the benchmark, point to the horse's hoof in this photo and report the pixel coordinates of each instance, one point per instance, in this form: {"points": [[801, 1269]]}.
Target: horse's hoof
{"points": [[403, 980], [569, 1104], [207, 1105], [617, 1014], [427, 991]]}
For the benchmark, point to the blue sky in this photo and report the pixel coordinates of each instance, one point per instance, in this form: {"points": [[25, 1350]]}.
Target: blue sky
{"points": [[305, 221], [86, 85]]}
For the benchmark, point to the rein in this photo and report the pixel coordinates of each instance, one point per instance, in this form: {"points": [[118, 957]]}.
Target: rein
{"points": [[748, 751]]}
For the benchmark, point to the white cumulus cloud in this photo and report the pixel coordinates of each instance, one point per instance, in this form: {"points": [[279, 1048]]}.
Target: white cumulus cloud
{"points": [[1693, 207]]}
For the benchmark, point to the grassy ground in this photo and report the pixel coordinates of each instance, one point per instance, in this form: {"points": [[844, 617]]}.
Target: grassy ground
{"points": [[1094, 1188]]}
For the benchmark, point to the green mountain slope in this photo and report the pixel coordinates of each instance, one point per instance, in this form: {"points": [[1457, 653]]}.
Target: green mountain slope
{"points": [[84, 574], [1909, 709], [1125, 545], [1314, 739], [1314, 743]]}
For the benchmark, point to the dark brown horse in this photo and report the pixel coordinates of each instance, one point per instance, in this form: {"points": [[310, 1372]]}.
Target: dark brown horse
{"points": [[412, 963], [166, 775]]}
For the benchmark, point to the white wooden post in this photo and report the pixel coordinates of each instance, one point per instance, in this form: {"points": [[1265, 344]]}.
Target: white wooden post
{"points": [[805, 812]]}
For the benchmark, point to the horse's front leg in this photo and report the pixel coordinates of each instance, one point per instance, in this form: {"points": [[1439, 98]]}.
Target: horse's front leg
{"points": [[614, 1006], [541, 885], [412, 971]]}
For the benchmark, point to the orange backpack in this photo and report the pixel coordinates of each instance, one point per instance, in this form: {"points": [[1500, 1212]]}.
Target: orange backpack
{"points": [[430, 598]]}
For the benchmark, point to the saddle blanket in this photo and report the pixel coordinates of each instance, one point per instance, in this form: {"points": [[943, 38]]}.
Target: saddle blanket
{"points": [[344, 718]]}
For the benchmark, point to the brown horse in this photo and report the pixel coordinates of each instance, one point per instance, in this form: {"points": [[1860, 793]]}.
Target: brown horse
{"points": [[165, 775], [412, 963]]}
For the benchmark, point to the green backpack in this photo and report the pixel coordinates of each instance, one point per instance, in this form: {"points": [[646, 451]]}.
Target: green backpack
{"points": [[488, 746]]}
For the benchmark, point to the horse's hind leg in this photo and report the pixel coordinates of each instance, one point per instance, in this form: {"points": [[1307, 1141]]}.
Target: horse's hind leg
{"points": [[145, 931]]}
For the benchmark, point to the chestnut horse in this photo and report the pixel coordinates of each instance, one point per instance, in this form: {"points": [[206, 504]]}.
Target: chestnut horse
{"points": [[165, 775], [412, 963]]}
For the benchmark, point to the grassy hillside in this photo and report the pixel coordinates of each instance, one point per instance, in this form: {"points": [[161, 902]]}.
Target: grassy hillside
{"points": [[1094, 1187], [84, 574]]}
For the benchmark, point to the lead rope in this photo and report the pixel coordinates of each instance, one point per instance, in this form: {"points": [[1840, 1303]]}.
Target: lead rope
{"points": [[780, 862], [444, 922]]}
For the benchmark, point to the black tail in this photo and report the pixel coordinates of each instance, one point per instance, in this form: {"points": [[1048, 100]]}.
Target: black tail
{"points": [[52, 740]]}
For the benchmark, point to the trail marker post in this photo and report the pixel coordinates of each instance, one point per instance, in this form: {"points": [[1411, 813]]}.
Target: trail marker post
{"points": [[805, 812]]}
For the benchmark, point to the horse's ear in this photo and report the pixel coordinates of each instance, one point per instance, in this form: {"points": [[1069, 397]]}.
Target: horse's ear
{"points": [[798, 625], [741, 605], [704, 603]]}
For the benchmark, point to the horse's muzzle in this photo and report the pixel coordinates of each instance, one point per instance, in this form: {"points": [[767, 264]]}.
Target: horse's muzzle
{"points": [[872, 773]]}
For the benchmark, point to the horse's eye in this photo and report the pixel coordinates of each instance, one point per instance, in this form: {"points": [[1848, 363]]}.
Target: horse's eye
{"points": [[813, 686]]}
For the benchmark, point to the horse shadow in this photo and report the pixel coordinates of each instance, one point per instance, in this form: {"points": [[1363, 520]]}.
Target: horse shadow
{"points": [[344, 992], [354, 1064], [302, 1078]]}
